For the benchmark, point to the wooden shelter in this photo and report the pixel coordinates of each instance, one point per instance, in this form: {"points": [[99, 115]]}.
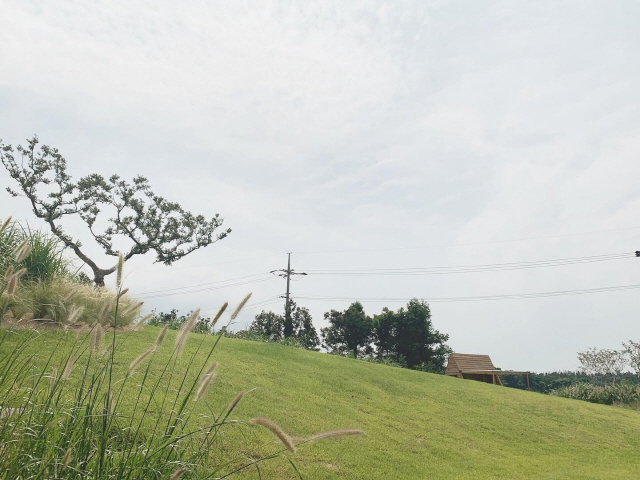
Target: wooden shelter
{"points": [[477, 367]]}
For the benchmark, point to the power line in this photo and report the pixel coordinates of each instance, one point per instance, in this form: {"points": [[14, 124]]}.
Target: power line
{"points": [[556, 293], [441, 270], [465, 244], [258, 280], [204, 284]]}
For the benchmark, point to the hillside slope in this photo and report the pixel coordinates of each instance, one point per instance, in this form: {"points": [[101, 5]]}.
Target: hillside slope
{"points": [[417, 425]]}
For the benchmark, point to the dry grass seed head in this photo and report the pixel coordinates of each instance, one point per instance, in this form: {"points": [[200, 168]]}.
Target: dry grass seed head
{"points": [[54, 377], [123, 292], [5, 225], [161, 336], [74, 314], [219, 314], [22, 251], [185, 329], [12, 284], [96, 338], [206, 380], [133, 366], [104, 311], [68, 368], [239, 307], [276, 430], [177, 473], [132, 308], [336, 433], [21, 272], [72, 293], [119, 269], [234, 403], [8, 272], [66, 459]]}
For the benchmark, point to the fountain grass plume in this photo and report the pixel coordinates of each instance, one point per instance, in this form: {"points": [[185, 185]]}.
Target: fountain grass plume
{"points": [[66, 459], [119, 269], [161, 336], [21, 272], [104, 311], [185, 329], [12, 285], [68, 368], [219, 314], [5, 225], [277, 431], [335, 433], [22, 251], [177, 473], [8, 272], [96, 338], [132, 308], [133, 366], [234, 403], [74, 314], [205, 381], [239, 307]]}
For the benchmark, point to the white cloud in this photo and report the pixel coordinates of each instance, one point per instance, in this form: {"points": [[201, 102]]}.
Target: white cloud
{"points": [[360, 125]]}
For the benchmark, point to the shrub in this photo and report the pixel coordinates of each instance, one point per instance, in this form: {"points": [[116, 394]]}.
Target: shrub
{"points": [[62, 299], [610, 394], [45, 260]]}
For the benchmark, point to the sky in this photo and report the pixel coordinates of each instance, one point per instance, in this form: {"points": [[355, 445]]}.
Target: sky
{"points": [[359, 135]]}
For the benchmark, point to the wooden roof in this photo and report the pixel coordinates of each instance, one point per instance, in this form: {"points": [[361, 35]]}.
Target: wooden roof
{"points": [[466, 362]]}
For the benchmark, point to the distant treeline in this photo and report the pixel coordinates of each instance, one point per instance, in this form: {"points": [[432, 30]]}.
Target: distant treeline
{"points": [[553, 381]]}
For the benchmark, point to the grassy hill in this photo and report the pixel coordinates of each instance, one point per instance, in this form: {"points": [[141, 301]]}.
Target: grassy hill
{"points": [[417, 425]]}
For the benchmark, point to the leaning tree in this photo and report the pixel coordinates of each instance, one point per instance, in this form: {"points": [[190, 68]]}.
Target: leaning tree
{"points": [[148, 221]]}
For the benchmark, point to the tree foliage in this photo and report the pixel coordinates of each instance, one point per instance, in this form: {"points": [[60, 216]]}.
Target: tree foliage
{"points": [[349, 332], [632, 349], [602, 362], [408, 335], [271, 326], [405, 337], [148, 221]]}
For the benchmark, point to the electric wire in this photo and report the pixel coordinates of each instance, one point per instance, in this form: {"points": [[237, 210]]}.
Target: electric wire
{"points": [[442, 270], [556, 293], [207, 289], [466, 244]]}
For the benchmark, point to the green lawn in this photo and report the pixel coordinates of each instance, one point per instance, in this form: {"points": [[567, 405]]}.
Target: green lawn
{"points": [[417, 425]]}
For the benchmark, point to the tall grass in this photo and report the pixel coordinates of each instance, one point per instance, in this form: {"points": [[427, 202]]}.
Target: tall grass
{"points": [[45, 260], [622, 394], [64, 416]]}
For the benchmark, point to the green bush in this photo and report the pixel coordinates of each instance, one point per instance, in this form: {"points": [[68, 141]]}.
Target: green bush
{"points": [[63, 300], [610, 394], [45, 260]]}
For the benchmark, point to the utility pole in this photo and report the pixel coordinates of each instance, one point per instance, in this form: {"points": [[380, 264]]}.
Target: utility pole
{"points": [[286, 273]]}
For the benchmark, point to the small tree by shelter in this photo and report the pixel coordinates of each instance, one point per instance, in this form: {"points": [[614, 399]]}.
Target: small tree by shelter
{"points": [[632, 350], [150, 222]]}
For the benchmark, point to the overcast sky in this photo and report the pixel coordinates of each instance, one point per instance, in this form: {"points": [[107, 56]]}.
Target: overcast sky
{"points": [[360, 135]]}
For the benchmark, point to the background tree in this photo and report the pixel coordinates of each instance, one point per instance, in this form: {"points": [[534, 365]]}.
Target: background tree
{"points": [[603, 362], [272, 326], [632, 350], [269, 325], [348, 332], [147, 220], [384, 333], [408, 337], [304, 329]]}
